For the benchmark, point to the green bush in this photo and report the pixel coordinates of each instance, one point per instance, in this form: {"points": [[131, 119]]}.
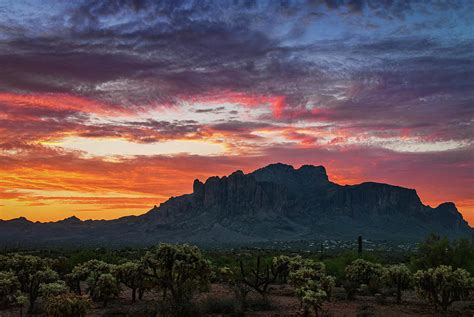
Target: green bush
{"points": [[436, 251]]}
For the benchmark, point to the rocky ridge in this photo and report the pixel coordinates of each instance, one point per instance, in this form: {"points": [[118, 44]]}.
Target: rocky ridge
{"points": [[277, 202]]}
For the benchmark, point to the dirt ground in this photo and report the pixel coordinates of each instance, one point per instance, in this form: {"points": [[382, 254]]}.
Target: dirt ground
{"points": [[283, 303]]}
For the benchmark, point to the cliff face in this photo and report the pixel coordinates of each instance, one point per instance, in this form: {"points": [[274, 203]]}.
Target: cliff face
{"points": [[377, 199], [306, 196], [275, 202], [239, 194]]}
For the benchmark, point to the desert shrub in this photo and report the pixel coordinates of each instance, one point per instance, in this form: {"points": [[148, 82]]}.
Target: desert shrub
{"points": [[436, 251], [67, 305], [364, 272], [178, 270], [10, 293], [442, 285], [399, 277], [313, 286]]}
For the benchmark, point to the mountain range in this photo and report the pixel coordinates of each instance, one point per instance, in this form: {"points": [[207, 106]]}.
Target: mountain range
{"points": [[274, 203]]}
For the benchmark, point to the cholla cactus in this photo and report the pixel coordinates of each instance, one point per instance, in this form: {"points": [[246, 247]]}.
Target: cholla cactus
{"points": [[281, 267], [53, 289], [89, 271], [82, 271], [4, 265], [9, 289], [295, 263], [67, 304], [399, 277], [311, 283], [363, 272], [314, 298], [305, 270], [31, 271], [24, 266], [105, 288], [442, 285], [180, 270], [132, 275]]}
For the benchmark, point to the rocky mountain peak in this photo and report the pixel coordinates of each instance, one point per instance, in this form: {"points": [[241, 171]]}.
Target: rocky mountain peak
{"points": [[308, 177], [447, 205], [70, 220], [19, 220]]}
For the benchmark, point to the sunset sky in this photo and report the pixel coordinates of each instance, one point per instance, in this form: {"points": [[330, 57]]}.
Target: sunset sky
{"points": [[110, 107]]}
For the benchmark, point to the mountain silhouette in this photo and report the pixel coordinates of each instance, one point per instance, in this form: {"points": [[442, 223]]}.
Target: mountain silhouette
{"points": [[274, 203]]}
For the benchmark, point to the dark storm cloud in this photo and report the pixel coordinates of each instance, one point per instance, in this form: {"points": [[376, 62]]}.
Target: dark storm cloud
{"points": [[139, 53]]}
